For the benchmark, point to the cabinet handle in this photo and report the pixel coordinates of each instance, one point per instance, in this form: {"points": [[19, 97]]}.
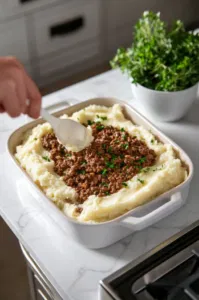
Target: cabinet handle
{"points": [[66, 27], [25, 1]]}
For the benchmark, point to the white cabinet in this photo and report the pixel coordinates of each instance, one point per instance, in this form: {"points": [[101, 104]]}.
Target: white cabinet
{"points": [[65, 26], [13, 39], [10, 8]]}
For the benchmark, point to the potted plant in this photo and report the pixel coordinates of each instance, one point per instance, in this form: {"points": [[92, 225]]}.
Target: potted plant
{"points": [[163, 66]]}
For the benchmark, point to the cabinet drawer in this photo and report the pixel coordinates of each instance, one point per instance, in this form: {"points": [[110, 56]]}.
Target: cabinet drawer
{"points": [[15, 7], [65, 59], [13, 39], [66, 25]]}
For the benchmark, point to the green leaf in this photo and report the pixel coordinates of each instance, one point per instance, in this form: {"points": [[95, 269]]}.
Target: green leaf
{"points": [[104, 172], [124, 184], [100, 127], [140, 180], [104, 118], [90, 122], [161, 58], [46, 158]]}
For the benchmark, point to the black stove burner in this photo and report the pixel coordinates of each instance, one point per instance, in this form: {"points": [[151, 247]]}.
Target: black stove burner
{"points": [[182, 283], [168, 272]]}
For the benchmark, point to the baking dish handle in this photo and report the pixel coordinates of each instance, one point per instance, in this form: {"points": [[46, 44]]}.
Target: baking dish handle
{"points": [[51, 108], [139, 223]]}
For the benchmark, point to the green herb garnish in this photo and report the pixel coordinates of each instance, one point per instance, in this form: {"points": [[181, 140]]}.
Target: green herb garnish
{"points": [[152, 141], [100, 127], [161, 58], [104, 171], [46, 158], [110, 165], [107, 193], [140, 180], [68, 154], [142, 159], [90, 122], [104, 146], [117, 142], [81, 172], [101, 117], [124, 184], [104, 184], [125, 146], [124, 137], [35, 139], [110, 149], [145, 170], [84, 162], [122, 129]]}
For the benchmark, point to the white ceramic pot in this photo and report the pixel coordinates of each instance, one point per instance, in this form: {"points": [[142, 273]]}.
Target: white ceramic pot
{"points": [[164, 106]]}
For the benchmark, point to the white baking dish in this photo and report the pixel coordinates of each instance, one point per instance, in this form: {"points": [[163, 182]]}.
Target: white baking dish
{"points": [[104, 234]]}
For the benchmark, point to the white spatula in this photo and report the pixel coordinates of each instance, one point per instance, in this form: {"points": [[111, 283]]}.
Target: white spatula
{"points": [[68, 132]]}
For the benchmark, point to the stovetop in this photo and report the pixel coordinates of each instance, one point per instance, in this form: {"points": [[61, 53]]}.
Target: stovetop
{"points": [[168, 272]]}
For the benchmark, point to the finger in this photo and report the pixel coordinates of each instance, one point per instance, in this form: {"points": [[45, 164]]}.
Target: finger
{"points": [[9, 99], [34, 97], [21, 90], [2, 109]]}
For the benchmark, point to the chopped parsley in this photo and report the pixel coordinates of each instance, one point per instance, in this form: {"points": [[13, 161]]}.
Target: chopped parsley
{"points": [[152, 141], [68, 154], [90, 122], [110, 149], [102, 118], [84, 162], [104, 171], [124, 184], [122, 129], [105, 184], [104, 146], [81, 172], [125, 146], [113, 157], [110, 165], [124, 137], [35, 139], [142, 159], [100, 127], [140, 180], [107, 193], [145, 170], [117, 142], [46, 158]]}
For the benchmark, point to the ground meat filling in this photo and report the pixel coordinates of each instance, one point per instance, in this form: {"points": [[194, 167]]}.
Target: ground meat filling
{"points": [[103, 168]]}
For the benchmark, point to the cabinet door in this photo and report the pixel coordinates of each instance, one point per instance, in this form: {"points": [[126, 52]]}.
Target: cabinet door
{"points": [[15, 7], [66, 25], [13, 39]]}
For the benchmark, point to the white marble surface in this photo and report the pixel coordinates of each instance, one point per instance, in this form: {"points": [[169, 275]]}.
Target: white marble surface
{"points": [[73, 270]]}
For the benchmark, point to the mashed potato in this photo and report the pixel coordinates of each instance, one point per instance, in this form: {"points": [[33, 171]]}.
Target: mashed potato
{"points": [[167, 172]]}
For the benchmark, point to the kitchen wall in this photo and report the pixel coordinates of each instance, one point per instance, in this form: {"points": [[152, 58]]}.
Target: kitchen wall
{"points": [[58, 38]]}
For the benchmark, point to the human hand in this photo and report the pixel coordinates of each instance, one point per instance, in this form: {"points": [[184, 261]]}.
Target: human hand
{"points": [[16, 87]]}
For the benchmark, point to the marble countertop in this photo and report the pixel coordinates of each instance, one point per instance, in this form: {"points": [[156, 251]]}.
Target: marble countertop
{"points": [[74, 270]]}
